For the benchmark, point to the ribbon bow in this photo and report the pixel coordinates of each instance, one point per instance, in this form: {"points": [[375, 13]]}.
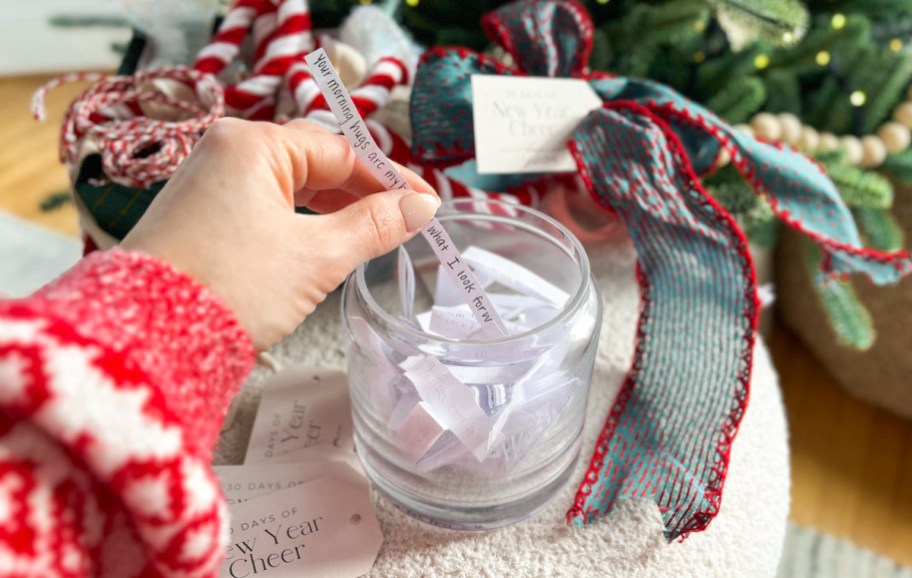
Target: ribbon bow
{"points": [[669, 434]]}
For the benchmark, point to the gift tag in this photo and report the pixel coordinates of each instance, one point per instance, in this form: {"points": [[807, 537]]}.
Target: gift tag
{"points": [[523, 123], [305, 410], [246, 482], [325, 528], [306, 456]]}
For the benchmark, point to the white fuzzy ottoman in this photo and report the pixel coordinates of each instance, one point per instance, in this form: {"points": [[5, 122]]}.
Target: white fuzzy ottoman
{"points": [[745, 539]]}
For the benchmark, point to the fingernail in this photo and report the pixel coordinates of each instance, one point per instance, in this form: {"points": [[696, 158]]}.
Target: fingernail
{"points": [[417, 209]]}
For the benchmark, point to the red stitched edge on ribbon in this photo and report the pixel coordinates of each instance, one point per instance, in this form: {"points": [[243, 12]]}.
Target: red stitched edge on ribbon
{"points": [[586, 29], [700, 519], [498, 32], [740, 164], [495, 29], [440, 53]]}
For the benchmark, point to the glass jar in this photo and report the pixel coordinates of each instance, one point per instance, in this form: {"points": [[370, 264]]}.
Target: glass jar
{"points": [[473, 432]]}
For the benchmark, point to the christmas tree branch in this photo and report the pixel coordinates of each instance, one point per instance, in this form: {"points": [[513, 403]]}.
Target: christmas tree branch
{"points": [[879, 229], [776, 21], [848, 317], [859, 188], [899, 166]]}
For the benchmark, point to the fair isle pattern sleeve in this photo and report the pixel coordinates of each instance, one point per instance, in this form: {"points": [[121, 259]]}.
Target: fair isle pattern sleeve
{"points": [[114, 382]]}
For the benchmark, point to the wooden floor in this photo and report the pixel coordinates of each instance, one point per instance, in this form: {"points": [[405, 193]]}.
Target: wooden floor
{"points": [[851, 463]]}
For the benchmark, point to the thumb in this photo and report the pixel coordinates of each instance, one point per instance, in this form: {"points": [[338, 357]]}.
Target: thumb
{"points": [[378, 223]]}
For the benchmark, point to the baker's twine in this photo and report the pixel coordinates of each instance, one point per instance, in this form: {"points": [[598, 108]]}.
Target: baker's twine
{"points": [[136, 150]]}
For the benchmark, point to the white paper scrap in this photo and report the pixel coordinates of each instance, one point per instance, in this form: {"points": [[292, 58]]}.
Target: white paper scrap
{"points": [[453, 322], [451, 403], [447, 294], [448, 450], [406, 284], [514, 276], [418, 432]]}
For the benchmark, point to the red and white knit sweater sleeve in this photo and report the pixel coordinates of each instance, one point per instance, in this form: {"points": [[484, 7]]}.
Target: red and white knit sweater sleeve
{"points": [[114, 382]]}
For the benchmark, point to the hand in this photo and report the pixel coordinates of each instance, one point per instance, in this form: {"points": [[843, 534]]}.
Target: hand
{"points": [[227, 218]]}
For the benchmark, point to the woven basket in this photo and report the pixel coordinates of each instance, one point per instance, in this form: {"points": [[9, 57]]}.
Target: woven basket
{"points": [[883, 374], [107, 212]]}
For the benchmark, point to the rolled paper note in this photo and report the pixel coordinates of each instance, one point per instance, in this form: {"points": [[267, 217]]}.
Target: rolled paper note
{"points": [[358, 135]]}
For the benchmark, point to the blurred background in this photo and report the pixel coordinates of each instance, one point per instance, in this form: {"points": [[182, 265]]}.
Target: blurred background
{"points": [[830, 77]]}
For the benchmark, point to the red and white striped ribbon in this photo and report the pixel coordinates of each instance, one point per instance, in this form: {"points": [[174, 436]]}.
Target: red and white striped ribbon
{"points": [[279, 88], [374, 92], [136, 150], [371, 95], [226, 43], [281, 33]]}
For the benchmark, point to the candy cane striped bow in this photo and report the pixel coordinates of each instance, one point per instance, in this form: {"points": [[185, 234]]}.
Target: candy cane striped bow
{"points": [[670, 431]]}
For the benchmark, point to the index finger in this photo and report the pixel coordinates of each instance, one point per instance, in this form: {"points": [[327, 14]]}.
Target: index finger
{"points": [[330, 163]]}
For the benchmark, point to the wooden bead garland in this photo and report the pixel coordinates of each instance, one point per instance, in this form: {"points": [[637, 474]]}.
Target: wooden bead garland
{"points": [[903, 114], [873, 151], [828, 142], [766, 126], [853, 149], [895, 136], [809, 139], [870, 151], [790, 128]]}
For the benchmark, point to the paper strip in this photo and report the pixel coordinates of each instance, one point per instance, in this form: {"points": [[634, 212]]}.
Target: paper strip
{"points": [[451, 403], [516, 277], [380, 166], [406, 285]]}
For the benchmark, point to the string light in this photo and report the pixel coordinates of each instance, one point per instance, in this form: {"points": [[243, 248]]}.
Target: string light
{"points": [[896, 45], [761, 61], [364, 2], [700, 25], [602, 2], [858, 98], [823, 58], [788, 37], [838, 22], [699, 57], [411, 3]]}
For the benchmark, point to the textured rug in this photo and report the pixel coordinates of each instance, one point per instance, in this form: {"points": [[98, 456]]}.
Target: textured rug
{"points": [[811, 554], [31, 256]]}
